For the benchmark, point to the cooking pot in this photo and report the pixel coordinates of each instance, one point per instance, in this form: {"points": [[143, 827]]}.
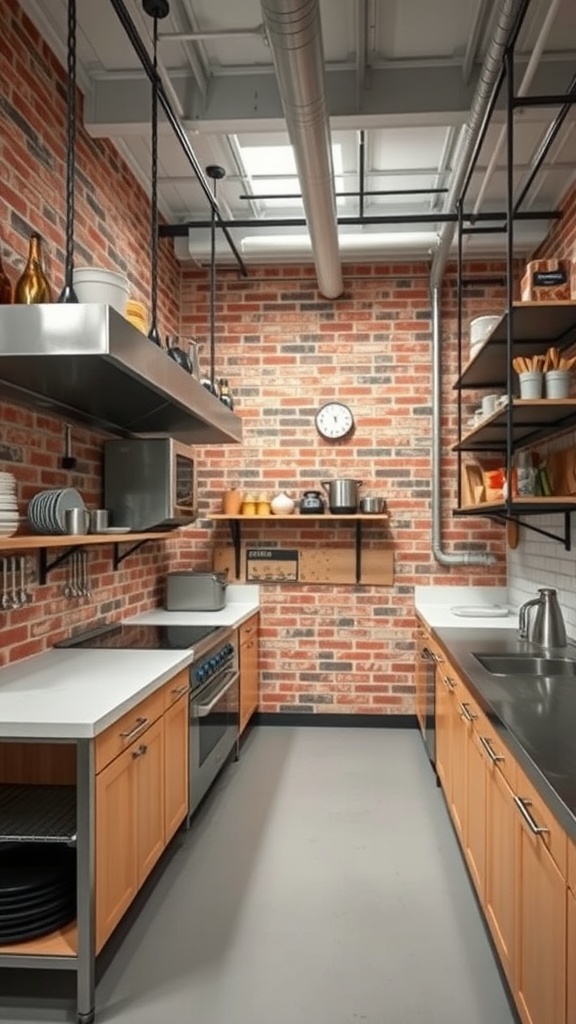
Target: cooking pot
{"points": [[372, 505], [311, 501], [342, 495]]}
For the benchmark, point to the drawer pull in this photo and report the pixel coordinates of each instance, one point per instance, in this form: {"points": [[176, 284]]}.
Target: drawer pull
{"points": [[466, 713], [139, 751], [140, 723], [494, 757], [522, 804], [449, 683], [179, 690]]}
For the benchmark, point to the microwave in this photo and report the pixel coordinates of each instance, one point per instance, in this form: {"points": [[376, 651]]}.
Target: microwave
{"points": [[149, 483]]}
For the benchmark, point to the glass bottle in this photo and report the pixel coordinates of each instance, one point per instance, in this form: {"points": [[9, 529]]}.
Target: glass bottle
{"points": [[224, 393], [176, 353], [32, 286], [5, 287]]}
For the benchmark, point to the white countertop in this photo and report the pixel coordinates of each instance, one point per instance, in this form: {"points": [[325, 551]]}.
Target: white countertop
{"points": [[68, 694], [436, 606]]}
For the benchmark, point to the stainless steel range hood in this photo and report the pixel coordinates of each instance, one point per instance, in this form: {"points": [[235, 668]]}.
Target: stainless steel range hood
{"points": [[87, 362]]}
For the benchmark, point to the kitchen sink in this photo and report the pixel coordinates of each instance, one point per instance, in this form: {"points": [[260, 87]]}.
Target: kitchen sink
{"points": [[527, 665]]}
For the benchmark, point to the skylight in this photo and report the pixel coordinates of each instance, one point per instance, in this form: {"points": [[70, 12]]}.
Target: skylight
{"points": [[272, 171]]}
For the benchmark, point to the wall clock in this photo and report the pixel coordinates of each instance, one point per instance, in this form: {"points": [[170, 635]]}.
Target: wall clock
{"points": [[334, 421]]}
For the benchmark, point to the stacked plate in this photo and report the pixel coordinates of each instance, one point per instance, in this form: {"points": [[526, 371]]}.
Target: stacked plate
{"points": [[9, 518], [46, 510], [37, 889]]}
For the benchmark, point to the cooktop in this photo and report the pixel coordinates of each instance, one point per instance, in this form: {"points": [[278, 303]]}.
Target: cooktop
{"points": [[134, 636]]}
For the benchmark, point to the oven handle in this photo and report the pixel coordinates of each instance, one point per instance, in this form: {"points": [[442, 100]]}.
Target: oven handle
{"points": [[201, 710]]}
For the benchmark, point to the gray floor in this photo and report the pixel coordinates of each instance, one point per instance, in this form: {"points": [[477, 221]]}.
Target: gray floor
{"points": [[320, 883]]}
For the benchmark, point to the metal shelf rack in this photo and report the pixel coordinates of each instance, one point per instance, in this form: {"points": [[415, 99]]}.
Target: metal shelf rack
{"points": [[37, 814]]}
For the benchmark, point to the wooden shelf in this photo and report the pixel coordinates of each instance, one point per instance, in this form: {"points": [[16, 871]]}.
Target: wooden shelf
{"points": [[533, 419], [63, 942], [321, 517], [520, 506], [536, 325], [20, 542]]}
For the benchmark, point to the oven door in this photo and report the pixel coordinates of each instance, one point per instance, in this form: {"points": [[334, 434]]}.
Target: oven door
{"points": [[214, 716]]}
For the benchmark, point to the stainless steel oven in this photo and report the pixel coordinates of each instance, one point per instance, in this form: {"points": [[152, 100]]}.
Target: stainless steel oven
{"points": [[214, 713]]}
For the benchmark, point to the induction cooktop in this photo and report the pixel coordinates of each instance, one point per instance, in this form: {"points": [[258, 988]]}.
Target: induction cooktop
{"points": [[132, 637]]}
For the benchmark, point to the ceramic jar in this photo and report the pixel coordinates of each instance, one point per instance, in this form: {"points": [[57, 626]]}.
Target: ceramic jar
{"points": [[232, 502], [282, 504]]}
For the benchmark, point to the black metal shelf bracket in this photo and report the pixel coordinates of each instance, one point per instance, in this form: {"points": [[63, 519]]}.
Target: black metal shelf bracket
{"points": [[358, 551], [236, 534], [120, 556], [45, 567], [565, 540]]}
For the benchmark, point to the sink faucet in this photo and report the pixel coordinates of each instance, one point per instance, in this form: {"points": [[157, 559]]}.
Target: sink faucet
{"points": [[545, 628]]}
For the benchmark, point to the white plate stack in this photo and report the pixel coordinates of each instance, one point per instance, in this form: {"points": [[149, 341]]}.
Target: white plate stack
{"points": [[46, 510], [9, 518]]}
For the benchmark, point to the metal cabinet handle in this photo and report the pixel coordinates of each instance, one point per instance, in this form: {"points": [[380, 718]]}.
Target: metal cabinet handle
{"points": [[494, 757], [522, 804], [179, 691], [466, 713], [140, 723], [449, 683], [421, 633], [139, 751]]}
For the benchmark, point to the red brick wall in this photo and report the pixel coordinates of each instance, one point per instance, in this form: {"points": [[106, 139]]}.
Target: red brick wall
{"points": [[561, 241], [285, 350]]}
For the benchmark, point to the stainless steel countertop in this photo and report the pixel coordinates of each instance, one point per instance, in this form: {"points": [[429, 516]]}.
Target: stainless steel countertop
{"points": [[536, 717]]}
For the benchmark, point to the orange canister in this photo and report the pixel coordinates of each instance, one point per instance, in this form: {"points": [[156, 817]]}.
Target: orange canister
{"points": [[232, 502]]}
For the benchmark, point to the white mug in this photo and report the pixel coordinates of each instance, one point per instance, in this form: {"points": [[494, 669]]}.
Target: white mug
{"points": [[489, 404]]}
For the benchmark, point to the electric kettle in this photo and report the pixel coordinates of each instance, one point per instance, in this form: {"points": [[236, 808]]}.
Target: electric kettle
{"points": [[546, 627], [311, 503]]}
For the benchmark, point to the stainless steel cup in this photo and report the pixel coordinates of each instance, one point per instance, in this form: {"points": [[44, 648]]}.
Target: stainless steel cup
{"points": [[76, 520], [99, 520]]}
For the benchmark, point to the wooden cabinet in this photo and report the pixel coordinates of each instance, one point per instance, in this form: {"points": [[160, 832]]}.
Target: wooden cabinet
{"points": [[176, 731], [474, 837], [249, 670], [420, 676], [129, 826], [540, 935], [500, 865], [571, 959], [460, 720], [444, 710]]}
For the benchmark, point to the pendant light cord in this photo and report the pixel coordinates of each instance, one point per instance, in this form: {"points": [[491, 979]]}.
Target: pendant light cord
{"points": [[153, 332], [68, 294], [213, 294]]}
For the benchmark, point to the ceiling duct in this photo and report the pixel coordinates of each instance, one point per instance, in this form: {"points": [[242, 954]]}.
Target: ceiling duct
{"points": [[295, 36]]}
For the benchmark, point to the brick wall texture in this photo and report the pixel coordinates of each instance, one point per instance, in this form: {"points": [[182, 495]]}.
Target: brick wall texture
{"points": [[285, 350]]}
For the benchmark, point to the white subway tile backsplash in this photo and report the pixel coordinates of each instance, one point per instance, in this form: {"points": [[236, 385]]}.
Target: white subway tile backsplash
{"points": [[542, 562]]}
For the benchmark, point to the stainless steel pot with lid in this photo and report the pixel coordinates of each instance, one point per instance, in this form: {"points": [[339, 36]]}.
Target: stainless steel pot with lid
{"points": [[342, 495]]}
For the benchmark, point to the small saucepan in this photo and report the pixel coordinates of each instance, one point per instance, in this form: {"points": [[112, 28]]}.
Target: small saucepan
{"points": [[372, 505]]}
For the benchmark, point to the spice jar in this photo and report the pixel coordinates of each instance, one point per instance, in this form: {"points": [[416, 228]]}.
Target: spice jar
{"points": [[249, 505], [262, 505]]}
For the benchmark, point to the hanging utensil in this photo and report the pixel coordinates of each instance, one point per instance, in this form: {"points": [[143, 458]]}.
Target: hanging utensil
{"points": [[85, 576], [155, 9], [68, 294], [6, 601], [15, 601], [23, 595]]}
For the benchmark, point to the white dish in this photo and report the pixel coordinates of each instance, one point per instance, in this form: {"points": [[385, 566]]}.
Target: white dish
{"points": [[481, 611], [115, 529]]}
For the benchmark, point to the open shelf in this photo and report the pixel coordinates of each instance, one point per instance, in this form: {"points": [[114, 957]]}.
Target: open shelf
{"points": [[536, 326], [533, 419], [304, 517], [21, 541], [61, 943]]}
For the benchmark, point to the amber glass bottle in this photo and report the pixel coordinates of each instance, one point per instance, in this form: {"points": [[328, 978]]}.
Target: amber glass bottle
{"points": [[224, 393], [5, 286], [32, 286]]}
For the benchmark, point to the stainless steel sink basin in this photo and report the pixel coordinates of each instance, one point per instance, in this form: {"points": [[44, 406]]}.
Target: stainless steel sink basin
{"points": [[526, 665]]}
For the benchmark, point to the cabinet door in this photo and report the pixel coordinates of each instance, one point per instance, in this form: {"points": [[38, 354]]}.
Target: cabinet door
{"points": [[420, 675], [249, 672], [475, 827], [115, 872], [443, 721], [500, 865], [148, 757], [571, 962], [540, 939], [175, 765], [460, 738]]}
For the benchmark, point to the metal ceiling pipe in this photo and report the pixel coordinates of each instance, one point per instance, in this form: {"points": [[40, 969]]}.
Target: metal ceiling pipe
{"points": [[505, 21], [295, 36]]}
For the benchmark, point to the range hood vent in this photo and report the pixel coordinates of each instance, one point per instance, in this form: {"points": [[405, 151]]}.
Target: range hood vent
{"points": [[87, 362]]}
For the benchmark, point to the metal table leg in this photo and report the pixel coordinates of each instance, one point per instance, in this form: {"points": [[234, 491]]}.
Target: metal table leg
{"points": [[85, 842]]}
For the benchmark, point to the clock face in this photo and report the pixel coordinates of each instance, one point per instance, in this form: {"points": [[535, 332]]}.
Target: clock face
{"points": [[334, 420]]}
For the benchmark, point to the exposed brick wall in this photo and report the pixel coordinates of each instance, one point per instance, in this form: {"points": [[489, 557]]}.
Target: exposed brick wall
{"points": [[561, 241], [285, 350]]}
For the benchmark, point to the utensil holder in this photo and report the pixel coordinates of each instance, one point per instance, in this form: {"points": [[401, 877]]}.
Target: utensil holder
{"points": [[557, 383], [531, 384]]}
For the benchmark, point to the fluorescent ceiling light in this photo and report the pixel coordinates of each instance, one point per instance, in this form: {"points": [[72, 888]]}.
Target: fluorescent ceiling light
{"points": [[373, 242]]}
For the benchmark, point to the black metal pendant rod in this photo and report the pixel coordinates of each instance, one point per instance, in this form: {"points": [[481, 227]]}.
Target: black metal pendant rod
{"points": [[68, 294], [216, 173], [349, 195], [156, 9], [142, 53]]}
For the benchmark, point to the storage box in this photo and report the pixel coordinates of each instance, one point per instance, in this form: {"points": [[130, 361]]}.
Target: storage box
{"points": [[546, 281]]}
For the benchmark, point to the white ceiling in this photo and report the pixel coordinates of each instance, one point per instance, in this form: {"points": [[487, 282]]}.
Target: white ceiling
{"points": [[399, 74]]}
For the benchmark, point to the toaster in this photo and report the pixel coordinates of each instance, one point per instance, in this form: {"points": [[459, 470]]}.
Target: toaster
{"points": [[195, 591]]}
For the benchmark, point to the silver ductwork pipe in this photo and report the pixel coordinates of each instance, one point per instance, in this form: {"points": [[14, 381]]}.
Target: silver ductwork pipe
{"points": [[294, 32], [443, 557], [503, 23]]}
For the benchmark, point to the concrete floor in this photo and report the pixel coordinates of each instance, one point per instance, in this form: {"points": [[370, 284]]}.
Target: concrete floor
{"points": [[320, 883]]}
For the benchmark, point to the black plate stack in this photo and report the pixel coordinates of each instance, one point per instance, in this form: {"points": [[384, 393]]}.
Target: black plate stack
{"points": [[37, 889]]}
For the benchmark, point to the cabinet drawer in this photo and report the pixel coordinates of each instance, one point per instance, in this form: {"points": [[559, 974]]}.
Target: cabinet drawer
{"points": [[554, 838], [496, 751], [248, 629], [176, 688], [130, 727]]}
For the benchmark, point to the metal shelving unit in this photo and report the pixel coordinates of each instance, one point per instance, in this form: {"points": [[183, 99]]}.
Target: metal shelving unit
{"points": [[37, 814], [525, 329]]}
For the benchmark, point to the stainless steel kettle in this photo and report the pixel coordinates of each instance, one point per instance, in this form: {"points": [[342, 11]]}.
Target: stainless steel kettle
{"points": [[342, 495], [546, 627]]}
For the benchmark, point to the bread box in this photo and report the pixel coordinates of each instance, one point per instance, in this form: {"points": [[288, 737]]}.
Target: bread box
{"points": [[188, 591], [546, 281]]}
